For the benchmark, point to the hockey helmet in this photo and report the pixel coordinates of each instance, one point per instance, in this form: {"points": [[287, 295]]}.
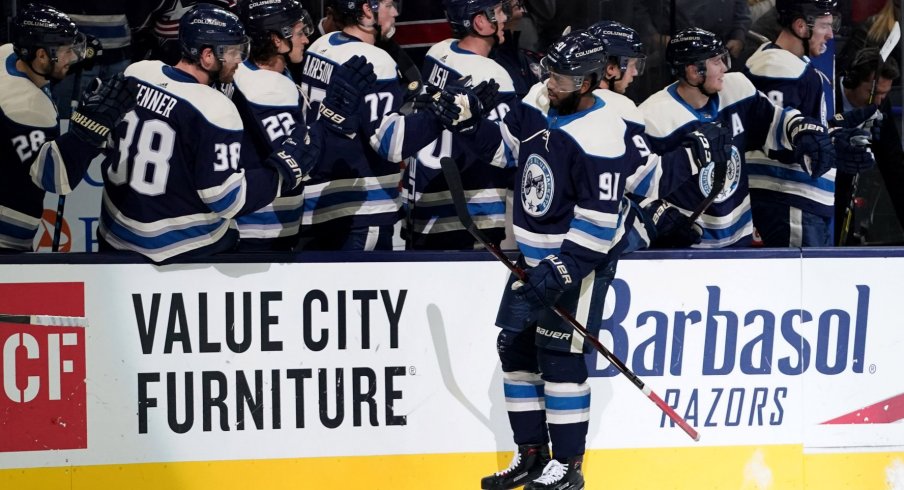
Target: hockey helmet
{"points": [[209, 26], [809, 10], [693, 46], [574, 58], [461, 13], [261, 17], [349, 11], [40, 26], [622, 44]]}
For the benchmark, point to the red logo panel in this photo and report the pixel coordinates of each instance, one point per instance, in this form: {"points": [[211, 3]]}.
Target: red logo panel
{"points": [[42, 370]]}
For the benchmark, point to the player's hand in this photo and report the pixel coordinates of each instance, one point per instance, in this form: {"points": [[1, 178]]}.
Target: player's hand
{"points": [[458, 108], [673, 230], [350, 82], [852, 152], [101, 107], [708, 143], [813, 148], [545, 282], [290, 159], [487, 93]]}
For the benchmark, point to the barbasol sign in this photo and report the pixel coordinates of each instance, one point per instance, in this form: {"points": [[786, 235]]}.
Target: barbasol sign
{"points": [[785, 342]]}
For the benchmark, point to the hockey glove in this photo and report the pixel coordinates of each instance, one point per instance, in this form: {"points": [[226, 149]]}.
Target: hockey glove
{"points": [[709, 143], [545, 282], [867, 117], [291, 160], [349, 83], [101, 107], [487, 92], [458, 108], [813, 148], [852, 152], [673, 230]]}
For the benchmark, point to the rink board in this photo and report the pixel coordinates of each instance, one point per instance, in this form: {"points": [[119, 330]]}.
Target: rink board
{"points": [[384, 374]]}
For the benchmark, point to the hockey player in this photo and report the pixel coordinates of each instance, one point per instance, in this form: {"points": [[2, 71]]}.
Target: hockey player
{"points": [[270, 106], [477, 26], [352, 200], [46, 43], [627, 58], [178, 175], [705, 92], [793, 201], [575, 160]]}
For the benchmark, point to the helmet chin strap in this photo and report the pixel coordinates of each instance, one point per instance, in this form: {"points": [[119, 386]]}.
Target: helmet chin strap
{"points": [[701, 86]]}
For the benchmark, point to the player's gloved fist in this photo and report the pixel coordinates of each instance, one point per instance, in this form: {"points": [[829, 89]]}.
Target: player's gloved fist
{"points": [[289, 160], [101, 107], [673, 230], [867, 117], [445, 108], [709, 143], [470, 109], [545, 282], [487, 92], [852, 152], [349, 83], [813, 148]]}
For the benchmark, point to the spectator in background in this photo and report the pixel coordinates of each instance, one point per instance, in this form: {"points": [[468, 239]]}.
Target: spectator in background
{"points": [[728, 19], [522, 65], [157, 35], [882, 187], [872, 33]]}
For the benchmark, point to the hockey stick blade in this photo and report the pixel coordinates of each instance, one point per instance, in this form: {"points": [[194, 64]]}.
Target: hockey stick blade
{"points": [[49, 320], [453, 179], [893, 37]]}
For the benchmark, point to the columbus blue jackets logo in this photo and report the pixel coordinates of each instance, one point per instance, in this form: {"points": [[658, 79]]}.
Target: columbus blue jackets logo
{"points": [[732, 177], [537, 186]]}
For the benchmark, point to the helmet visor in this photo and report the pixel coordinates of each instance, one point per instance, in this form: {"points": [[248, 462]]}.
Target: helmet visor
{"points": [[233, 53], [825, 23], [73, 52], [632, 62], [559, 82], [307, 23]]}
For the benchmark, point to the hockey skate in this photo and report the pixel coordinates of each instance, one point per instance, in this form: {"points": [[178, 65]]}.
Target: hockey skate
{"points": [[527, 464], [558, 476]]}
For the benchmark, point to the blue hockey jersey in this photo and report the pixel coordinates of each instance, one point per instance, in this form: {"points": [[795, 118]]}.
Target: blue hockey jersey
{"points": [[357, 183], [175, 178], [790, 81], [573, 172], [433, 221], [755, 122], [270, 107]]}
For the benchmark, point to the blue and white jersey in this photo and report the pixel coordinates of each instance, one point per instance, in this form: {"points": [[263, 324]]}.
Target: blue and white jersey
{"points": [[357, 184], [755, 122], [433, 219], [573, 172], [174, 180], [794, 82], [270, 107], [28, 118]]}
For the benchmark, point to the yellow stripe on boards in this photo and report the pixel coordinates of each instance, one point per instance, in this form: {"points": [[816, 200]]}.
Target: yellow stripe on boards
{"points": [[692, 468]]}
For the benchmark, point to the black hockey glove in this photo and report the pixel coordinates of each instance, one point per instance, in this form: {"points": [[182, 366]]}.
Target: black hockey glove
{"points": [[350, 82], [852, 152], [487, 93], [292, 159], [673, 229], [545, 282], [813, 148], [458, 109], [709, 143], [101, 107]]}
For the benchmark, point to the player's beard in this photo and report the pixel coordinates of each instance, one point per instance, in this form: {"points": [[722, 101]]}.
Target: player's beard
{"points": [[568, 104]]}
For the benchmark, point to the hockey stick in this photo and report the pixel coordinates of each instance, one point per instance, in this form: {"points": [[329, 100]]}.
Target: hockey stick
{"points": [[893, 37], [56, 321], [61, 200], [720, 172], [453, 179]]}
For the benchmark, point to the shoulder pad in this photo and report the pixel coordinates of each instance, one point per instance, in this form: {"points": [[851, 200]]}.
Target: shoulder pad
{"points": [[663, 114], [333, 48], [736, 87], [622, 105], [265, 87], [775, 63]]}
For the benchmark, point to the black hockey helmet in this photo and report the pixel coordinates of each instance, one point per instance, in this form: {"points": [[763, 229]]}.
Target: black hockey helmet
{"points": [[261, 17], [622, 44], [693, 46], [461, 13], [575, 57], [809, 10], [349, 11], [209, 26], [40, 26]]}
